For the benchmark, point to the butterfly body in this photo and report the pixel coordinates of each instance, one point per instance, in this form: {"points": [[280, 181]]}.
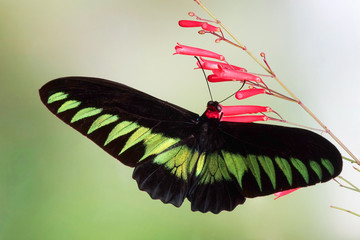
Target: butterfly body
{"points": [[177, 154]]}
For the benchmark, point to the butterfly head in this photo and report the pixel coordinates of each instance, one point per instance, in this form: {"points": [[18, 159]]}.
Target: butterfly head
{"points": [[213, 110]]}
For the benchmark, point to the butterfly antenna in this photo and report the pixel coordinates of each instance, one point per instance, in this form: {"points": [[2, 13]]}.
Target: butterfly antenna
{"points": [[207, 82], [243, 84]]}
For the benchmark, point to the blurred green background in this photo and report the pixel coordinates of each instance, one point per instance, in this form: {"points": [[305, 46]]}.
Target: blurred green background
{"points": [[56, 184]]}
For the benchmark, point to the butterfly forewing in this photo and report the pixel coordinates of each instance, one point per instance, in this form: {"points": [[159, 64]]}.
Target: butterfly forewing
{"points": [[136, 128], [267, 158], [113, 115]]}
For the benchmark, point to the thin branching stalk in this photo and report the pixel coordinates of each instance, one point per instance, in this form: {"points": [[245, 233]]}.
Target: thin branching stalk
{"points": [[345, 210], [353, 187]]}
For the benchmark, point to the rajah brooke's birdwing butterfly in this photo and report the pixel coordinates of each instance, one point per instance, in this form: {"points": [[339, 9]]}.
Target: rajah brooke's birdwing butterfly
{"points": [[178, 154]]}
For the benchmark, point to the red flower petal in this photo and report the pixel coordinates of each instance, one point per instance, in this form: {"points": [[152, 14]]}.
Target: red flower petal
{"points": [[209, 27], [189, 23], [187, 50], [244, 118], [244, 109], [249, 93], [213, 65], [236, 75], [283, 193], [215, 78]]}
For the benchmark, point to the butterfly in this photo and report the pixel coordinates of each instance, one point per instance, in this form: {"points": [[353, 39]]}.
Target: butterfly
{"points": [[177, 154]]}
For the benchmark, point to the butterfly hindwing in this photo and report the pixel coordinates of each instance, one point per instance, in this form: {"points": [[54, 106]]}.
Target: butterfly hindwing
{"points": [[214, 188], [166, 176]]}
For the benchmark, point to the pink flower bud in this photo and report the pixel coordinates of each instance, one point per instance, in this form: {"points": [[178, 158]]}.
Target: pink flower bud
{"points": [[186, 50], [249, 93], [244, 109], [235, 75], [245, 118], [189, 23], [283, 193]]}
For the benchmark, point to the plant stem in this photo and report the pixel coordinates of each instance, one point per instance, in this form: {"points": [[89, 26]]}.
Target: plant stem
{"points": [[349, 159], [342, 209], [354, 188], [356, 169]]}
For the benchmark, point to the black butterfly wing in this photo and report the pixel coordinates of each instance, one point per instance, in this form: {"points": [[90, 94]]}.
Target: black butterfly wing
{"points": [[249, 160], [281, 158], [139, 130]]}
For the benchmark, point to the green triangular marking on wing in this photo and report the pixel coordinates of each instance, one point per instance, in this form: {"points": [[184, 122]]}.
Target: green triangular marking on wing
{"points": [[300, 166], [57, 97], [200, 164], [316, 168], [121, 129], [236, 165], [214, 169], [167, 158], [182, 161], [176, 160], [223, 168], [68, 105], [140, 134], [85, 113], [181, 157], [193, 161], [213, 164], [285, 168], [328, 165], [157, 143], [252, 163], [268, 166], [102, 121]]}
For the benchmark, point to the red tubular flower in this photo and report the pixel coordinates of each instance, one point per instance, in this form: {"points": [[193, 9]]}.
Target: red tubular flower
{"points": [[189, 23], [235, 75], [203, 25], [186, 50], [215, 78], [249, 93], [283, 193], [209, 27], [213, 65], [245, 118], [244, 109]]}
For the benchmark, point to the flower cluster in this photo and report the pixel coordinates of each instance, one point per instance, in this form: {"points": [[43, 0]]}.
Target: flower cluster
{"points": [[222, 71]]}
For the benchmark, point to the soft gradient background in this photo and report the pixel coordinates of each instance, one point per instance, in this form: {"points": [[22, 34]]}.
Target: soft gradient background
{"points": [[56, 184]]}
